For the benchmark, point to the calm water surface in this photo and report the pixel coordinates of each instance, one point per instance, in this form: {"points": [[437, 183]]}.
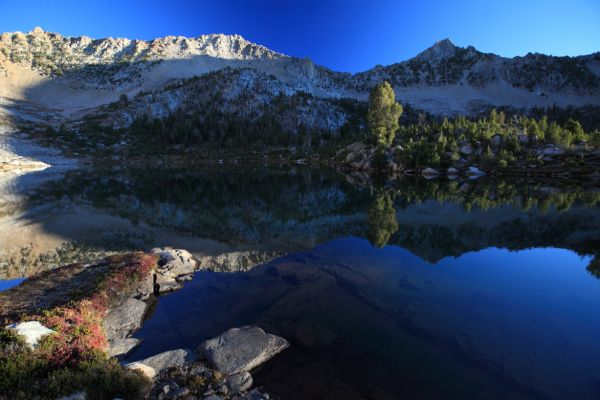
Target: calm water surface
{"points": [[406, 289]]}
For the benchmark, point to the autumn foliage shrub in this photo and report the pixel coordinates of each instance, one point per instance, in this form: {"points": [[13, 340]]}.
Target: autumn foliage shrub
{"points": [[74, 358]]}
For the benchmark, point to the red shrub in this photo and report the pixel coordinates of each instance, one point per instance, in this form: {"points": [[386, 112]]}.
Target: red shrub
{"points": [[80, 335]]}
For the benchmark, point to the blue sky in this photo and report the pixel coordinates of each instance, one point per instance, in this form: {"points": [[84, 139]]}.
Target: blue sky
{"points": [[344, 35]]}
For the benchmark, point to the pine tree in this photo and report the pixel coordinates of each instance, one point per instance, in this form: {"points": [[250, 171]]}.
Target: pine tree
{"points": [[383, 114]]}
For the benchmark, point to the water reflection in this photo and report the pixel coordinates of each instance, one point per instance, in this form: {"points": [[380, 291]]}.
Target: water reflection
{"points": [[381, 220], [378, 323], [84, 214], [464, 289]]}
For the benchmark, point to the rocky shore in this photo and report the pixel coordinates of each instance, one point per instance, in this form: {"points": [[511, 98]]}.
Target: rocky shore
{"points": [[550, 161], [68, 317]]}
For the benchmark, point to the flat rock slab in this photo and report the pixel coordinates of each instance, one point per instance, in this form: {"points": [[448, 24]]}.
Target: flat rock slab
{"points": [[124, 319], [32, 331], [241, 349], [168, 359], [119, 347]]}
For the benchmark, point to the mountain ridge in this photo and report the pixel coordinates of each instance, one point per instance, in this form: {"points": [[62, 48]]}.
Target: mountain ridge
{"points": [[76, 75]]}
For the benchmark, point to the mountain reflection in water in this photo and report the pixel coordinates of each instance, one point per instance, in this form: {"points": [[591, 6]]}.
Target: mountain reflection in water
{"points": [[406, 289]]}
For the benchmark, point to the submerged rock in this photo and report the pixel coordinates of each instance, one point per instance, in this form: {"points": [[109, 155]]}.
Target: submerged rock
{"points": [[241, 349], [168, 359], [32, 331]]}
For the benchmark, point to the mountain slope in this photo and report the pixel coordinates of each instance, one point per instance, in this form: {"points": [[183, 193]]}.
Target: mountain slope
{"points": [[73, 76]]}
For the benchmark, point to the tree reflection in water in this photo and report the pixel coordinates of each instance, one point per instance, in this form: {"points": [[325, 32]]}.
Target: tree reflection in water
{"points": [[381, 220]]}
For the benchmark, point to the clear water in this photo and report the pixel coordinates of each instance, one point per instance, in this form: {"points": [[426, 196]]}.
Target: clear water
{"points": [[394, 290]]}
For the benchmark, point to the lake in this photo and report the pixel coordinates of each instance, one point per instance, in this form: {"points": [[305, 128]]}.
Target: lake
{"points": [[385, 288]]}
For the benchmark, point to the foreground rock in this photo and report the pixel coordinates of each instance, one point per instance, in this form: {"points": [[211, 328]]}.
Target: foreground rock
{"points": [[146, 370], [32, 331], [241, 349], [119, 347], [124, 319], [173, 265], [169, 359], [237, 383]]}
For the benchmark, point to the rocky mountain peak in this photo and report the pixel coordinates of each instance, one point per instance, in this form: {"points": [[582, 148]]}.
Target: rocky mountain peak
{"points": [[36, 31], [51, 53], [442, 49]]}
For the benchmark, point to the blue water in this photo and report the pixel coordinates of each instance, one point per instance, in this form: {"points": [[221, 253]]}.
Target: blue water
{"points": [[366, 322], [390, 289], [6, 284]]}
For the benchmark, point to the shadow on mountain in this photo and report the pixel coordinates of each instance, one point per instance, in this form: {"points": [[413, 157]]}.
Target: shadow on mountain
{"points": [[78, 89]]}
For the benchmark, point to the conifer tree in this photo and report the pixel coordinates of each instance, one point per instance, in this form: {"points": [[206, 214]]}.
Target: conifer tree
{"points": [[383, 114]]}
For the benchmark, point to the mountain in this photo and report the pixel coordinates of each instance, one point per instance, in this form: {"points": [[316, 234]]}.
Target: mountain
{"points": [[47, 77]]}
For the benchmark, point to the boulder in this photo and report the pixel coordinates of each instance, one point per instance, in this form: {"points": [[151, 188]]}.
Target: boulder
{"points": [[146, 370], [168, 359], [241, 382], [124, 319], [119, 347], [32, 331], [174, 262], [241, 349], [185, 278]]}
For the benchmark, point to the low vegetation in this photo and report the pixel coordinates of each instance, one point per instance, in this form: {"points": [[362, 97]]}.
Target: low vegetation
{"points": [[496, 140], [73, 358]]}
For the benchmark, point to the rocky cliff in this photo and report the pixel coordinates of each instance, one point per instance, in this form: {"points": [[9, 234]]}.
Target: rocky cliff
{"points": [[73, 76]]}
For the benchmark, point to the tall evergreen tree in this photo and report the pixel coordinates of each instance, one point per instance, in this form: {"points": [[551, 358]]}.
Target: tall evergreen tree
{"points": [[383, 114]]}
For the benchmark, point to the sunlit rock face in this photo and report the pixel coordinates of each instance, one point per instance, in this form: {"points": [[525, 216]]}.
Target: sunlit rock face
{"points": [[72, 74]]}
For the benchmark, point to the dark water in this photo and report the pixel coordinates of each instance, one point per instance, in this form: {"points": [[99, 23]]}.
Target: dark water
{"points": [[383, 323], [389, 290]]}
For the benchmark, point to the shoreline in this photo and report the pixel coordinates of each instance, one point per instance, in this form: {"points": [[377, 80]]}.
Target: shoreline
{"points": [[122, 291]]}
